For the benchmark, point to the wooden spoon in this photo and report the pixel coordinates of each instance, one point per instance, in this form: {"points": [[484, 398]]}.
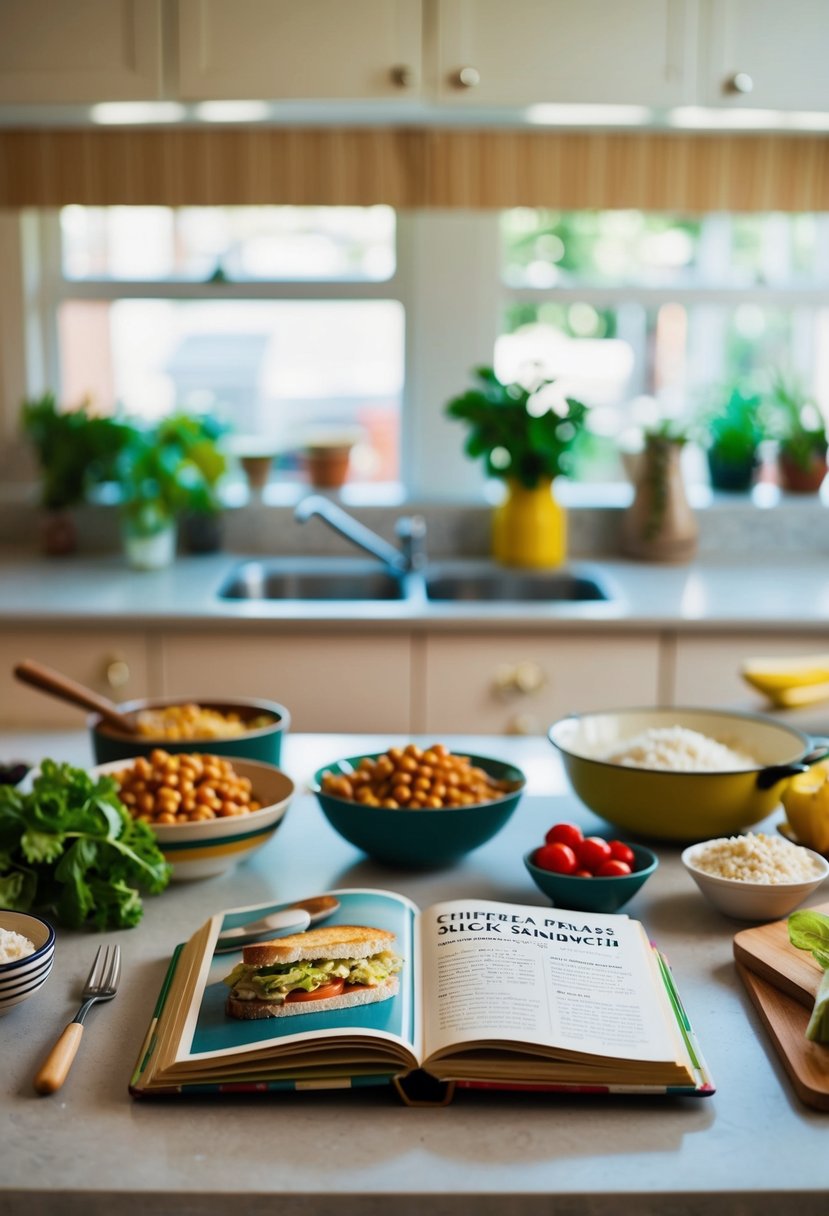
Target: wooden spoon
{"points": [[47, 680]]}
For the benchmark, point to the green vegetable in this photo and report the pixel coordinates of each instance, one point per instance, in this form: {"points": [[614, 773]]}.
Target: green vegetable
{"points": [[70, 848], [275, 981], [809, 930]]}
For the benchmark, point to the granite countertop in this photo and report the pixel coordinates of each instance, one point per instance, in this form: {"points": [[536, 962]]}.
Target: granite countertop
{"points": [[723, 592], [90, 1148]]}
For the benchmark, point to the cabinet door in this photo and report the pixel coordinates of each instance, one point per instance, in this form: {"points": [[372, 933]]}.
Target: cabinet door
{"points": [[301, 49], [707, 667], [532, 51], [328, 682], [68, 51], [778, 52], [500, 684], [111, 662]]}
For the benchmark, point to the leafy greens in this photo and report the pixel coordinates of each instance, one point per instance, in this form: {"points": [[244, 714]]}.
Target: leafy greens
{"points": [[809, 930], [70, 848]]}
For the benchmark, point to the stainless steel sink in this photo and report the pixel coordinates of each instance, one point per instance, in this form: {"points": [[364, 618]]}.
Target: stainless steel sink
{"points": [[510, 586], [310, 579]]}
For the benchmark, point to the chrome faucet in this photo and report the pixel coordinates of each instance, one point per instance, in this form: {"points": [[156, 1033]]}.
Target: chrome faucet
{"points": [[410, 531]]}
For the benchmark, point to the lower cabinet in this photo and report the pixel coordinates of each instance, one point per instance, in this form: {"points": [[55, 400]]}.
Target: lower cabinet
{"points": [[328, 681], [112, 662], [706, 668], [505, 684]]}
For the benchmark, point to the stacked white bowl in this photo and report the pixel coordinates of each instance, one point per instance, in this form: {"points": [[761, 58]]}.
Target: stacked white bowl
{"points": [[21, 977]]}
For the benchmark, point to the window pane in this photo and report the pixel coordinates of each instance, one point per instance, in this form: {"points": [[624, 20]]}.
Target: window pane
{"points": [[276, 369], [241, 244]]}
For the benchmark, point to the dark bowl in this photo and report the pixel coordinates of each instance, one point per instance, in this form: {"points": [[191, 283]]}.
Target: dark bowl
{"points": [[593, 894], [419, 838], [264, 743]]}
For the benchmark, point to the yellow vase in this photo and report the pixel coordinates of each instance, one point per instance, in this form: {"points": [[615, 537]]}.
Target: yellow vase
{"points": [[529, 527]]}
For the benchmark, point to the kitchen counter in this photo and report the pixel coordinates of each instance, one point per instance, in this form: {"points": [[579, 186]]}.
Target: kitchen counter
{"points": [[790, 592], [91, 1149]]}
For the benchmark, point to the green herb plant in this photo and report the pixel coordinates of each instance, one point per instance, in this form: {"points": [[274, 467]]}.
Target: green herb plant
{"points": [[809, 930], [796, 421], [75, 449], [735, 428], [512, 430], [71, 849]]}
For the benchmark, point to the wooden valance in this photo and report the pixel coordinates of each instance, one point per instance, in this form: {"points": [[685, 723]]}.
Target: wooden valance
{"points": [[413, 168]]}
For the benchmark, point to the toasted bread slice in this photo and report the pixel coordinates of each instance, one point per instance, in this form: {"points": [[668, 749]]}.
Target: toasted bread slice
{"points": [[253, 1010], [330, 941]]}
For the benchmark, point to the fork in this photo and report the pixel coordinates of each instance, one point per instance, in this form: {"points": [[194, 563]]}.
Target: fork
{"points": [[101, 985]]}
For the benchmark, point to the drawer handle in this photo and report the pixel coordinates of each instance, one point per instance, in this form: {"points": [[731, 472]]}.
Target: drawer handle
{"points": [[524, 724], [117, 673], [522, 678], [402, 75]]}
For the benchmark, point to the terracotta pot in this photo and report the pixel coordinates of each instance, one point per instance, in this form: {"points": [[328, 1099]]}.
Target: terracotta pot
{"points": [[529, 528], [58, 534], [257, 470], [659, 525], [796, 478], [327, 464]]}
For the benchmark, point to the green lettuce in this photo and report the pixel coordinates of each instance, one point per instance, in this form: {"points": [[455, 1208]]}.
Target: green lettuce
{"points": [[809, 930], [274, 982]]}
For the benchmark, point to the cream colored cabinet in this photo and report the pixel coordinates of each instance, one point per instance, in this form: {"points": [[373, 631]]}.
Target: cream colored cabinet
{"points": [[534, 51], [520, 684], [764, 54], [328, 681], [299, 49], [110, 661], [74, 51], [705, 669]]}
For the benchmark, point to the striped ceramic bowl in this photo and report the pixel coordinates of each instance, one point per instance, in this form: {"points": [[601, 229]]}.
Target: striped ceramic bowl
{"points": [[200, 850], [22, 977]]}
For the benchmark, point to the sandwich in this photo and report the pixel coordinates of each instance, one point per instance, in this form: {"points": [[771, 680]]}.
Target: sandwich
{"points": [[334, 967]]}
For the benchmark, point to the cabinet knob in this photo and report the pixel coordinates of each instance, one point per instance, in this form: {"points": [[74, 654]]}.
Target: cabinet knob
{"points": [[402, 75], [117, 673], [524, 724], [740, 83], [466, 78], [522, 678]]}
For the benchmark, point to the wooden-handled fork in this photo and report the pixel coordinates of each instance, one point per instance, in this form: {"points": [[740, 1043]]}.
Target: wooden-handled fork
{"points": [[101, 985]]}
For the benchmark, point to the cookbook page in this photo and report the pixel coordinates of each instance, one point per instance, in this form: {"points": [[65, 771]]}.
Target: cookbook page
{"points": [[209, 1032], [576, 981]]}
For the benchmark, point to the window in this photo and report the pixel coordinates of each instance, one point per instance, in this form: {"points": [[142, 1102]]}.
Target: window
{"points": [[284, 320]]}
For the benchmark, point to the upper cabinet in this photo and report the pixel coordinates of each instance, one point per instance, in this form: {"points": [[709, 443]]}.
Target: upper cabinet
{"points": [[487, 53], [76, 51], [299, 49], [765, 54]]}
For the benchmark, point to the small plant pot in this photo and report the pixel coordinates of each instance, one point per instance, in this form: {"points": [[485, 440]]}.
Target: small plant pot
{"points": [[150, 552], [257, 470], [202, 533], [58, 534], [796, 478], [327, 464], [733, 475]]}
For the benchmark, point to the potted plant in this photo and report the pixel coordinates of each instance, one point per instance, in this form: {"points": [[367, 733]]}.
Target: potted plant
{"points": [[659, 525], [732, 433], [203, 466], [167, 472], [75, 450], [798, 425], [526, 435]]}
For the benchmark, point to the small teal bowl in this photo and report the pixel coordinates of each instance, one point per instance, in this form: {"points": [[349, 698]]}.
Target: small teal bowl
{"points": [[419, 838], [593, 894], [263, 744]]}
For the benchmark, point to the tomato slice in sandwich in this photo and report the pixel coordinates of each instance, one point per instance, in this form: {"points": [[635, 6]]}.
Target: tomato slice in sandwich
{"points": [[332, 988]]}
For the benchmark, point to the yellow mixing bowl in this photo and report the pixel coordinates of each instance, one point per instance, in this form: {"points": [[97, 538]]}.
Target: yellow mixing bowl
{"points": [[680, 805]]}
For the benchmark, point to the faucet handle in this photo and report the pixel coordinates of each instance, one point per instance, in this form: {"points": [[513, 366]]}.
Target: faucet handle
{"points": [[411, 533]]}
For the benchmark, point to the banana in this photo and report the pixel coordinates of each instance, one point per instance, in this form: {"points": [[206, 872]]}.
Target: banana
{"points": [[796, 681]]}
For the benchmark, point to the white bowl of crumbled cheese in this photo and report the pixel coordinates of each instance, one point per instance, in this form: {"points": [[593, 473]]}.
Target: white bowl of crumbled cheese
{"points": [[682, 774], [755, 876], [27, 951]]}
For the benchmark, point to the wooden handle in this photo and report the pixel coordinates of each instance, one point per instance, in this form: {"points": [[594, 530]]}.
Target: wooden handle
{"points": [[55, 1069], [60, 686]]}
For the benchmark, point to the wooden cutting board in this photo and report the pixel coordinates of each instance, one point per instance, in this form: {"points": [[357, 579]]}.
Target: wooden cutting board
{"points": [[782, 983]]}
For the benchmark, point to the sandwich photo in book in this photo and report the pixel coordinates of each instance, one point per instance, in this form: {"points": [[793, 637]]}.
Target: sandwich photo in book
{"points": [[466, 993]]}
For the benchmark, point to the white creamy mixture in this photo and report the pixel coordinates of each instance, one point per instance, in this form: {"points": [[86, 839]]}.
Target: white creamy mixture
{"points": [[679, 749], [14, 946]]}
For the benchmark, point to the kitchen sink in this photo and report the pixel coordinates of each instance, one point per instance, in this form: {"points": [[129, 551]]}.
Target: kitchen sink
{"points": [[510, 586], [307, 579]]}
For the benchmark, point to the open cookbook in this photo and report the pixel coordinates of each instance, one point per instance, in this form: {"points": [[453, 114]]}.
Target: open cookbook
{"points": [[466, 993]]}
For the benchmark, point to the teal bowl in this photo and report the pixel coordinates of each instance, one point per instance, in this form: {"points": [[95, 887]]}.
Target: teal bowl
{"points": [[263, 744], [419, 838], [593, 894]]}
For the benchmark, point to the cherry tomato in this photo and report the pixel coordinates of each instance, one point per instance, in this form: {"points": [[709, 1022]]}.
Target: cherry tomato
{"points": [[621, 852], [565, 833], [613, 869], [592, 853], [557, 857], [582, 874]]}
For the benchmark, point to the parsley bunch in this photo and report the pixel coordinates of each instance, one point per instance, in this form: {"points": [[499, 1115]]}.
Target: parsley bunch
{"points": [[70, 848]]}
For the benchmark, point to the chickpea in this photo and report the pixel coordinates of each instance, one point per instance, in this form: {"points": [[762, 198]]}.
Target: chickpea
{"points": [[161, 788]]}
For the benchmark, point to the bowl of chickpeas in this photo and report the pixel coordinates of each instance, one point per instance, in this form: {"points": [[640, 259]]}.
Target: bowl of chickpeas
{"points": [[208, 812], [246, 727], [418, 807]]}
